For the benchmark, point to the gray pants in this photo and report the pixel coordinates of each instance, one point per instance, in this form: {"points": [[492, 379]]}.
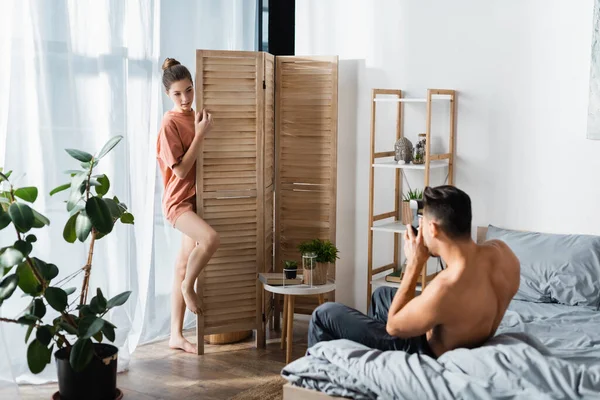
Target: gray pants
{"points": [[332, 321]]}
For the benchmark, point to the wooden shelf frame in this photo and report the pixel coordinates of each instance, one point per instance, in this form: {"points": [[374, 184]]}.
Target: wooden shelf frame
{"points": [[432, 161]]}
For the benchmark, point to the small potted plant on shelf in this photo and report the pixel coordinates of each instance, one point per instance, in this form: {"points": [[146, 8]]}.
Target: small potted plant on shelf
{"points": [[290, 269], [407, 216], [86, 366], [325, 253]]}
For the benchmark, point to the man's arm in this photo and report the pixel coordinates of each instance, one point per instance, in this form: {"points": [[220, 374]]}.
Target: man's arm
{"points": [[409, 316], [415, 315]]}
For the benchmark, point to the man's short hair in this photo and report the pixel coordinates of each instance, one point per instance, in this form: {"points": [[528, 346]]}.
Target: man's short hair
{"points": [[451, 208]]}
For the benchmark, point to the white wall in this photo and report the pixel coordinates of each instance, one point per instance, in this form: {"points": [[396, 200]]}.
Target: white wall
{"points": [[522, 72]]}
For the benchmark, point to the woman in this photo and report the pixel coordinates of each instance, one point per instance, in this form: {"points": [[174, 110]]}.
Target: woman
{"points": [[179, 140]]}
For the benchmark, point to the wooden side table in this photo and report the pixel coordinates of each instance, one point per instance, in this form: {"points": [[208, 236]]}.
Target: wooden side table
{"points": [[289, 293]]}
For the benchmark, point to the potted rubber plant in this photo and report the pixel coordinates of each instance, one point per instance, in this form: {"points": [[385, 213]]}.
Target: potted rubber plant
{"points": [[77, 331], [323, 253], [290, 269], [407, 216]]}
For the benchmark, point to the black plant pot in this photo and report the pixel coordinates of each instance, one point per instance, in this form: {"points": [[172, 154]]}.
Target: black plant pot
{"points": [[98, 381], [290, 273]]}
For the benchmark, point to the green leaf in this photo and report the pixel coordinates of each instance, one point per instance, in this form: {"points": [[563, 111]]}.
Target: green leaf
{"points": [[80, 155], [76, 209], [109, 331], [28, 283], [74, 198], [112, 142], [86, 311], [28, 319], [10, 257], [81, 354], [28, 334], [114, 209], [127, 218], [88, 165], [22, 216], [3, 177], [8, 286], [56, 298], [38, 308], [99, 213], [74, 172], [118, 300], [29, 193], [104, 185], [75, 195], [102, 302], [48, 271], [38, 356], [70, 291], [4, 219], [24, 247], [69, 233], [98, 336], [83, 226], [44, 335], [39, 220], [60, 188], [89, 326], [68, 327], [95, 307], [31, 238]]}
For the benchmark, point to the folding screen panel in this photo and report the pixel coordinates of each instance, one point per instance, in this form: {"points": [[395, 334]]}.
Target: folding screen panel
{"points": [[306, 156], [231, 188]]}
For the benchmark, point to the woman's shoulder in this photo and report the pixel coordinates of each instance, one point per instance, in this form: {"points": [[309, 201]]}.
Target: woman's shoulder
{"points": [[168, 122]]}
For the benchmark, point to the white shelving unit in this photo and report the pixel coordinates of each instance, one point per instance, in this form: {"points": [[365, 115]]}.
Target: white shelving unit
{"points": [[390, 222]]}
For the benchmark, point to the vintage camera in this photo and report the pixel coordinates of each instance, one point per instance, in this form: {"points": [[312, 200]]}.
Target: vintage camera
{"points": [[416, 208]]}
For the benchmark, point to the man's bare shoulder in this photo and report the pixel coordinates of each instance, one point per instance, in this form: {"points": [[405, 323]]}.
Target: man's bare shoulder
{"points": [[500, 254], [499, 248]]}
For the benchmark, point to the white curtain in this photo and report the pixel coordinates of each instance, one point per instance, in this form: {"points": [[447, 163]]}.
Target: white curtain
{"points": [[74, 73]]}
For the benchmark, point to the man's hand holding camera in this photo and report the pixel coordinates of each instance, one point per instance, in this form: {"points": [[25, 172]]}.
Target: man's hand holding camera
{"points": [[415, 250]]}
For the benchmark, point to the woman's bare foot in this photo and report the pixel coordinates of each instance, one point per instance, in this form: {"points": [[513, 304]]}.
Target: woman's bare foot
{"points": [[190, 298], [181, 343]]}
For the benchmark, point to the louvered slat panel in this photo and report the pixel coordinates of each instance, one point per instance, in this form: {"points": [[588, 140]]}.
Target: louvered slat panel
{"points": [[306, 156], [228, 86]]}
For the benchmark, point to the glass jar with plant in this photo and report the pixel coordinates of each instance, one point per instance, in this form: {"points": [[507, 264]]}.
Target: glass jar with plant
{"points": [[71, 327], [326, 253], [290, 269], [420, 149]]}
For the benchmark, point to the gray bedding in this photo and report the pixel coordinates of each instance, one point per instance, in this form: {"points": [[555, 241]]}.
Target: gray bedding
{"points": [[541, 351]]}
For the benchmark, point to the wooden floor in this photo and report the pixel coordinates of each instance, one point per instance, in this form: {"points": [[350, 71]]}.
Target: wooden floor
{"points": [[157, 372]]}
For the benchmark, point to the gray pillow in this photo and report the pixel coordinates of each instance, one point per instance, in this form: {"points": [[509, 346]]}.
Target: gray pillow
{"points": [[555, 268]]}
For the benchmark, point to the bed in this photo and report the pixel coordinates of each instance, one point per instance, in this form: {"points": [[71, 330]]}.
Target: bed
{"points": [[547, 346]]}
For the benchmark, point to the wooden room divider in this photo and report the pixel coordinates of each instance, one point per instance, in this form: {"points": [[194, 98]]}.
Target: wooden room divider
{"points": [[266, 176]]}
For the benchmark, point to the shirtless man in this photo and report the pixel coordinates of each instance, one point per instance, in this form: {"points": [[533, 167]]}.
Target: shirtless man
{"points": [[461, 307]]}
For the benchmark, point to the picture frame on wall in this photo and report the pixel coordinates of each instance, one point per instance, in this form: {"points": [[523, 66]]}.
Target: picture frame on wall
{"points": [[593, 126]]}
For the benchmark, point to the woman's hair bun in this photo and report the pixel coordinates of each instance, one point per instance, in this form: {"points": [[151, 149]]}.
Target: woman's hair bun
{"points": [[169, 62]]}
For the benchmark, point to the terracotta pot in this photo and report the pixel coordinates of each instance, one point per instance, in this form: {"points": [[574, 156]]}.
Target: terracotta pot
{"points": [[319, 274], [407, 215]]}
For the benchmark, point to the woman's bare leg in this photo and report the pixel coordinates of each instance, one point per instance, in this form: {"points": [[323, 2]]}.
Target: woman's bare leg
{"points": [[207, 242], [177, 341]]}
